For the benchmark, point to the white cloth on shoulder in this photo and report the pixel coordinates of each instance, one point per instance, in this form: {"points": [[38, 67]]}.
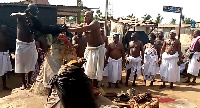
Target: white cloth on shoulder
{"points": [[5, 63], [150, 64], [134, 65], [194, 65], [169, 69], [95, 62], [114, 70], [25, 57]]}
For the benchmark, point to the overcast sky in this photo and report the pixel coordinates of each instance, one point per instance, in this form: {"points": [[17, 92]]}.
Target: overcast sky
{"points": [[139, 8]]}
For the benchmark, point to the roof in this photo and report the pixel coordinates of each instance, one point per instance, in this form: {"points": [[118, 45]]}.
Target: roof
{"points": [[62, 10], [172, 25]]}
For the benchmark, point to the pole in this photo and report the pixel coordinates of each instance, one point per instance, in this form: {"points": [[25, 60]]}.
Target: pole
{"points": [[78, 14], [106, 19], [179, 32]]}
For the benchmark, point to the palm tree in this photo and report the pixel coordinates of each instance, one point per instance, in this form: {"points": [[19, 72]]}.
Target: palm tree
{"points": [[146, 17], [131, 16], [186, 20], [173, 21], [159, 19]]}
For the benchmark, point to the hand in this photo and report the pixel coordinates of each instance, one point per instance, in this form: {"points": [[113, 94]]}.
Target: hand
{"points": [[159, 62], [198, 60], [179, 63]]}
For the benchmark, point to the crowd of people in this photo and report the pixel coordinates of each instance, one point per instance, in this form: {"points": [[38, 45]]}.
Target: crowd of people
{"points": [[103, 58]]}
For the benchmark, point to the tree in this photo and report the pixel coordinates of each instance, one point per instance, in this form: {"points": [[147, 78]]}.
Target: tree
{"points": [[131, 16], [159, 19], [173, 21], [146, 17], [186, 20], [98, 15]]}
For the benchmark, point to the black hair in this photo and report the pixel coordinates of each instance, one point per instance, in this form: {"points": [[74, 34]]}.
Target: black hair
{"points": [[153, 36]]}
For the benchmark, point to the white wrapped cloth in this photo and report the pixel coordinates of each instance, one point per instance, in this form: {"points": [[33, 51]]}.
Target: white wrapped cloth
{"points": [[26, 57], [150, 64], [169, 69], [134, 65], [95, 62], [5, 63], [194, 65], [114, 70]]}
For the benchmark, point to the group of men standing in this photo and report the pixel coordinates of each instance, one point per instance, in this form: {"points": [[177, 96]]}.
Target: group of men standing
{"points": [[157, 56]]}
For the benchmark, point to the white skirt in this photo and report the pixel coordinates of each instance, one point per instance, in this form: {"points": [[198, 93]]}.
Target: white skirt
{"points": [[194, 65], [5, 63]]}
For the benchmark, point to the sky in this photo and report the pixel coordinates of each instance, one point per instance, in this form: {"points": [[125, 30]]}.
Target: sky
{"points": [[123, 8]]}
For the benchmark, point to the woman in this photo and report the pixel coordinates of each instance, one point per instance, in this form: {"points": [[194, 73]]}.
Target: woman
{"points": [[151, 52]]}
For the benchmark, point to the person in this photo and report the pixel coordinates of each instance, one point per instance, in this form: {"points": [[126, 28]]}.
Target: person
{"points": [[134, 59], [79, 42], [151, 52], [170, 59], [95, 50], [26, 53], [194, 59], [5, 63], [115, 59]]}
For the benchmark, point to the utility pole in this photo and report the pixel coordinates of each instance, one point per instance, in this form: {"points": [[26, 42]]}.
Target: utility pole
{"points": [[179, 29], [106, 19], [78, 18]]}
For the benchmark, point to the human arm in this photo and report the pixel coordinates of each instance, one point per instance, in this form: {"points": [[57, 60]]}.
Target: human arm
{"points": [[142, 52], [161, 51], [180, 53], [123, 55], [91, 26], [107, 54], [74, 43]]}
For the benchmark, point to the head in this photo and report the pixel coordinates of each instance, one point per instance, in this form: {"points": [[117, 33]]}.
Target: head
{"points": [[172, 34], [134, 36], [102, 32], [88, 17], [116, 38], [152, 38], [32, 10], [196, 33], [160, 35]]}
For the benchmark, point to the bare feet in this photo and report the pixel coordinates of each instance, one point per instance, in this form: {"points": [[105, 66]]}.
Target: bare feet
{"points": [[193, 83], [23, 87], [151, 84]]}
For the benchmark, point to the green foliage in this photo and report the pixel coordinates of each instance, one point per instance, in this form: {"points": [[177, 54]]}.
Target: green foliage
{"points": [[159, 19], [173, 21], [146, 17]]}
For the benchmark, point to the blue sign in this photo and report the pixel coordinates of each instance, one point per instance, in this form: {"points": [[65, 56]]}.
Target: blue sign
{"points": [[172, 9], [193, 24]]}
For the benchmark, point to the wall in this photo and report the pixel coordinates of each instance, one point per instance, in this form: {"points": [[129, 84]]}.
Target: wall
{"points": [[47, 16]]}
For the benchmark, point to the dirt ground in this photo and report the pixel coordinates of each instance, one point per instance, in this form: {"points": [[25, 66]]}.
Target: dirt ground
{"points": [[184, 92]]}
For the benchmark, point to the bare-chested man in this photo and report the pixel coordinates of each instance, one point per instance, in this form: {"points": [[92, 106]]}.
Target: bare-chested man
{"points": [[79, 42], [134, 59], [5, 63], [26, 53], [95, 50], [115, 58], [194, 62], [170, 59]]}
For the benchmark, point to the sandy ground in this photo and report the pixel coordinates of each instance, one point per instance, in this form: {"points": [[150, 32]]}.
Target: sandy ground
{"points": [[25, 100], [188, 93]]}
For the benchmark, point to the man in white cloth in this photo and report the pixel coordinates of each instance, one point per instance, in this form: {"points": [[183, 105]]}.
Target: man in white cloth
{"points": [[95, 50], [134, 59], [115, 58], [194, 62], [5, 63], [151, 52], [26, 54], [170, 60]]}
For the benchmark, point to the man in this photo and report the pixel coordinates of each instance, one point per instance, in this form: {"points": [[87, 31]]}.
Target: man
{"points": [[159, 40], [95, 50], [151, 52], [115, 58], [170, 59], [194, 62], [134, 59], [5, 63], [79, 42], [26, 53]]}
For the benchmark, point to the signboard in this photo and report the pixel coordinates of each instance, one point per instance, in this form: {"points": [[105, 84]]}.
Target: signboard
{"points": [[193, 24], [172, 9]]}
